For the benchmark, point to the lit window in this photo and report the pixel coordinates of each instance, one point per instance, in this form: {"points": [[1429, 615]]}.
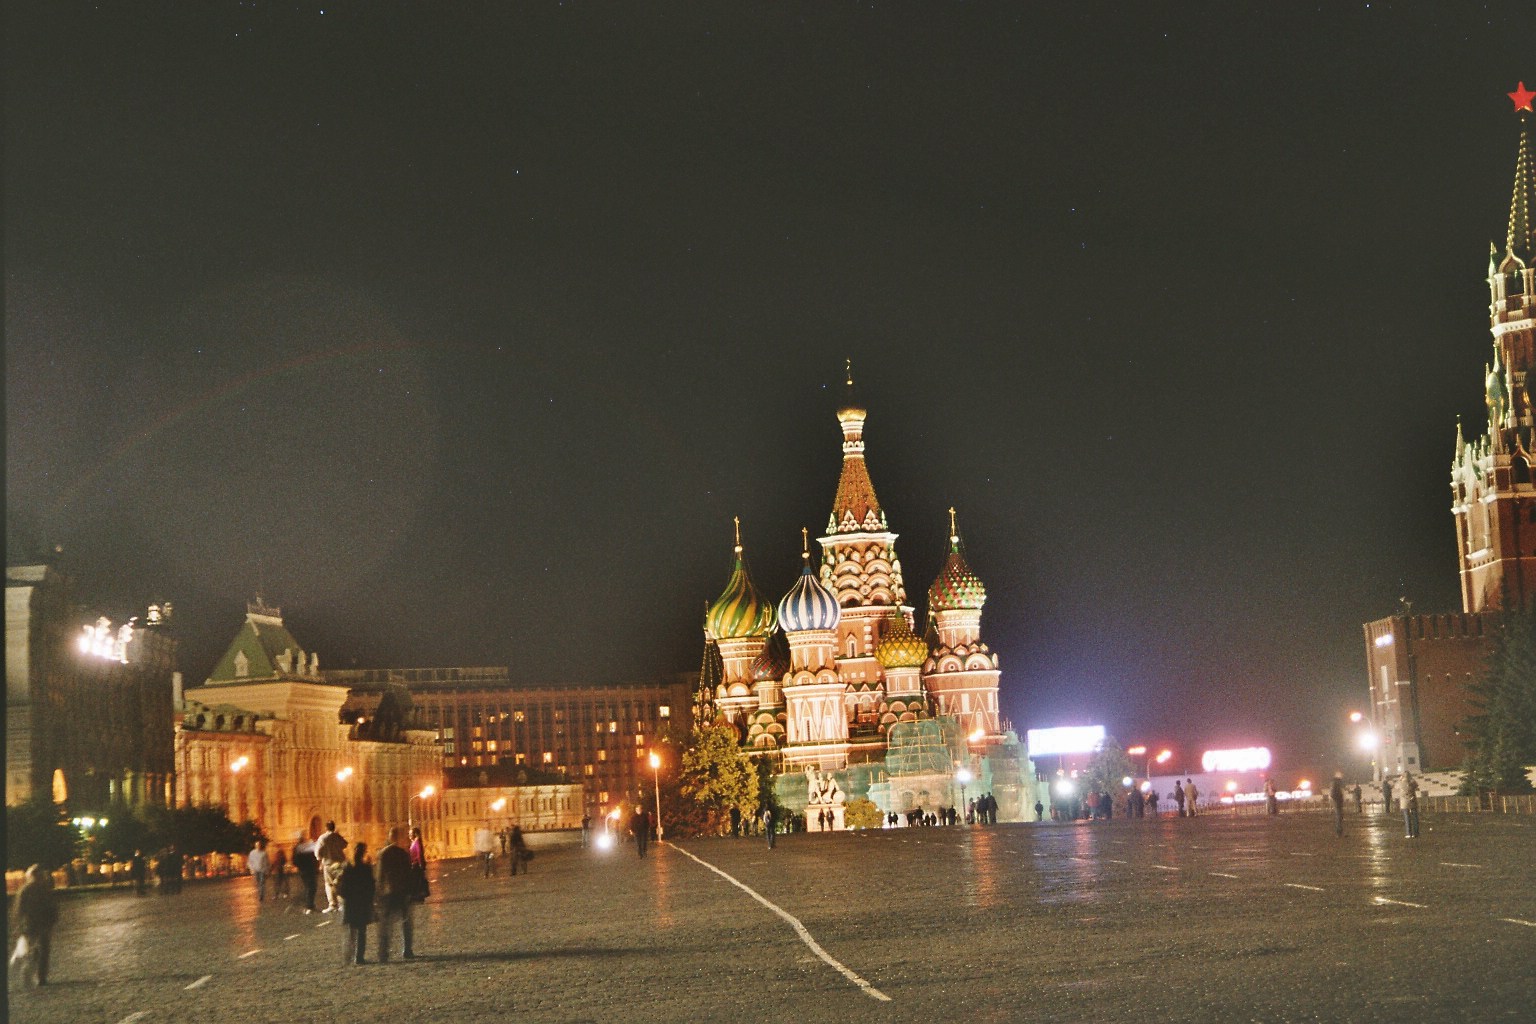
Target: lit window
{"points": [[589, 771], [602, 797], [665, 711], [602, 755], [521, 758], [613, 726], [599, 726], [517, 716], [639, 739], [639, 753], [549, 757]]}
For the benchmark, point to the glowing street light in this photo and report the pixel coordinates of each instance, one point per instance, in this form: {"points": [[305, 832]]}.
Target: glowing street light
{"points": [[1368, 740], [656, 785], [239, 763], [964, 776], [1355, 716], [426, 791], [344, 774]]}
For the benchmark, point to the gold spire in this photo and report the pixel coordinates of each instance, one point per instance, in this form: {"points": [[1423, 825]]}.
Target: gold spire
{"points": [[737, 521], [805, 544], [848, 367], [954, 535]]}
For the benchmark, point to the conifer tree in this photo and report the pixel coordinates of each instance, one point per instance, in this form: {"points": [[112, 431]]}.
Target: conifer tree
{"points": [[1502, 734]]}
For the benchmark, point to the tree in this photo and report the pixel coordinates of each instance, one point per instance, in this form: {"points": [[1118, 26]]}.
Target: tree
{"points": [[1502, 734], [36, 834], [862, 813], [717, 775], [1107, 767]]}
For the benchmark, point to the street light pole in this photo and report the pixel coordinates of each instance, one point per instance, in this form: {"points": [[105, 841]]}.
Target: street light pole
{"points": [[656, 786], [410, 822]]}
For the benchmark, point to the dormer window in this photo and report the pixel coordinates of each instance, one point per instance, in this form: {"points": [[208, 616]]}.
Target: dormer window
{"points": [[242, 665]]}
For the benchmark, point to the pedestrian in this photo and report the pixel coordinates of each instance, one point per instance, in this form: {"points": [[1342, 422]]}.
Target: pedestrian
{"points": [[769, 825], [138, 872], [1039, 811], [37, 911], [735, 821], [258, 861], [1336, 794], [485, 849], [279, 873], [331, 848], [1192, 795], [1386, 796], [1410, 804], [307, 865], [356, 888], [1271, 798], [1359, 799], [586, 830], [521, 855], [420, 887], [1178, 796], [168, 868], [1152, 804], [394, 891], [640, 826]]}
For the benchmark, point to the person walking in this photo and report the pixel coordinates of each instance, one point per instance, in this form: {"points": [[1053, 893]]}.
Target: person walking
{"points": [[640, 825], [279, 873], [356, 888], [1152, 804], [518, 847], [1386, 796], [138, 872], [1178, 796], [1336, 794], [1191, 794], [1410, 802], [394, 891], [258, 862], [586, 830], [485, 849], [1271, 798], [307, 865], [768, 825], [1359, 799], [420, 888], [37, 911], [331, 848]]}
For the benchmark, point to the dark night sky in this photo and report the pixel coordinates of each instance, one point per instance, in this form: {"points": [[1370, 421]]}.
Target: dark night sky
{"points": [[461, 334]]}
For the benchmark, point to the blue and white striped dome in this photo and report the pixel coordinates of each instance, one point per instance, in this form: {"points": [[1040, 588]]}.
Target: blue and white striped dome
{"points": [[808, 605]]}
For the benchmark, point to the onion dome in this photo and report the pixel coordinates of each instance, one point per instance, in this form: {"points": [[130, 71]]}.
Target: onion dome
{"points": [[957, 587], [772, 662], [809, 604], [900, 647], [740, 611]]}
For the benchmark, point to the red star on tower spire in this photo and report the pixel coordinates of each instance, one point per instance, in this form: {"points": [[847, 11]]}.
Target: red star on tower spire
{"points": [[1522, 97]]}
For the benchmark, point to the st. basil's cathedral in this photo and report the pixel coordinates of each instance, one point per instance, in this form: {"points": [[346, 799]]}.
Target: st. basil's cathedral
{"points": [[836, 688]]}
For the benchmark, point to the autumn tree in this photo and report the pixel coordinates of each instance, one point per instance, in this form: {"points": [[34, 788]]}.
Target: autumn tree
{"points": [[717, 775]]}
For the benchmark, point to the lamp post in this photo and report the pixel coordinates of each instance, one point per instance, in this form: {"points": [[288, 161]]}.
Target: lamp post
{"points": [[963, 776], [426, 791], [1366, 738], [656, 786]]}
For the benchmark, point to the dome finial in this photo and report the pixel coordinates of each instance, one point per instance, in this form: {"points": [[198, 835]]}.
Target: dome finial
{"points": [[848, 371], [805, 545], [954, 535], [737, 521]]}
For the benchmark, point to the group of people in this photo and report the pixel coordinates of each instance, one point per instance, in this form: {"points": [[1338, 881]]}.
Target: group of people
{"points": [[513, 846], [1407, 788]]}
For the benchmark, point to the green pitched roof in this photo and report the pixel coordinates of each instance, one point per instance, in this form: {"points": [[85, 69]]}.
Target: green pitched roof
{"points": [[262, 640]]}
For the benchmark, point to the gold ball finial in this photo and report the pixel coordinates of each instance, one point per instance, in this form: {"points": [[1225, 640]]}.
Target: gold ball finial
{"points": [[954, 534], [848, 368], [737, 520]]}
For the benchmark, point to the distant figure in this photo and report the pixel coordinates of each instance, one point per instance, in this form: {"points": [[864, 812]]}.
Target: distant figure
{"points": [[168, 869], [308, 867], [1359, 799], [586, 830], [736, 821], [640, 825], [1336, 794], [356, 889], [420, 888], [1271, 798], [1410, 802], [1039, 811], [279, 873], [331, 848], [768, 825], [37, 911], [521, 855], [1386, 796], [1178, 796], [1192, 795], [138, 872], [1152, 804], [394, 892], [485, 849], [257, 862]]}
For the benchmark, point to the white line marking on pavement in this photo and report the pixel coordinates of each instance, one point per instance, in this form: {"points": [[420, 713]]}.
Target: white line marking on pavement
{"points": [[1165, 867], [1114, 861], [1516, 920], [1399, 903], [1039, 855], [1310, 888], [800, 930], [135, 1015], [1222, 874], [322, 924], [249, 952], [200, 982], [1453, 864], [1295, 853], [290, 938]]}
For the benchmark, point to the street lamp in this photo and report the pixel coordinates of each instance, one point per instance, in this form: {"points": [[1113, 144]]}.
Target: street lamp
{"points": [[656, 785], [426, 791], [964, 776]]}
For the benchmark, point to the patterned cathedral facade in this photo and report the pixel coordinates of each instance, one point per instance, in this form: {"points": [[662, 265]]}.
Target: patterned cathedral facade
{"points": [[834, 683]]}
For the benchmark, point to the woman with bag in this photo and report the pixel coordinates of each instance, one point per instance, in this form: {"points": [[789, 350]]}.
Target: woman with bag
{"points": [[420, 888]]}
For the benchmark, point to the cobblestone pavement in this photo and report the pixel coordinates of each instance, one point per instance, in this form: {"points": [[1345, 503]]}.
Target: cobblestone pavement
{"points": [[1214, 919]]}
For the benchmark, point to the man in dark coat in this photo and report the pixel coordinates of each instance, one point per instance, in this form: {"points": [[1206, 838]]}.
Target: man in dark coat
{"points": [[394, 890], [308, 867], [356, 889]]}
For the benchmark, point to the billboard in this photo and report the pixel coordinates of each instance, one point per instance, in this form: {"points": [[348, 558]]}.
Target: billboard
{"points": [[1247, 759], [1072, 739]]}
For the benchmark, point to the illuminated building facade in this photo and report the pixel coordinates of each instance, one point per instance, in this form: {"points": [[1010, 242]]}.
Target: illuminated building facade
{"points": [[595, 735], [1419, 666], [86, 701], [836, 687], [267, 737]]}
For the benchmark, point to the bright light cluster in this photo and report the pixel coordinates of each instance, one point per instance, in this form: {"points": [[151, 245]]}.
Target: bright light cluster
{"points": [[101, 641], [1071, 739], [1246, 759]]}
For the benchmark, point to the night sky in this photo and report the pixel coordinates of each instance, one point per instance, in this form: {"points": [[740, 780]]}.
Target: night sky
{"points": [[461, 332]]}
